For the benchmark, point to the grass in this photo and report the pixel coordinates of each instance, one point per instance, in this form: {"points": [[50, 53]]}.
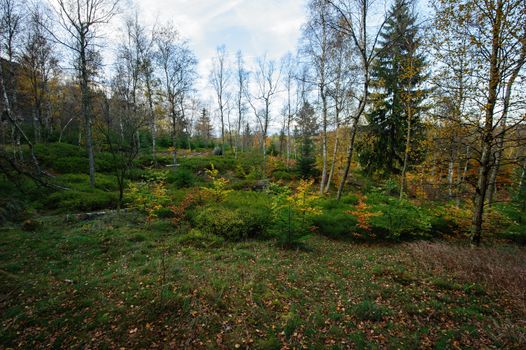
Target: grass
{"points": [[116, 281], [502, 268]]}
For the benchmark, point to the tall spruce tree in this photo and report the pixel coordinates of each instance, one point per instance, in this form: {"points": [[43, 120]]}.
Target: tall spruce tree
{"points": [[394, 121], [307, 128]]}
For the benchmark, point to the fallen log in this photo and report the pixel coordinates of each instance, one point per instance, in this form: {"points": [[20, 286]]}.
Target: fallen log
{"points": [[92, 215]]}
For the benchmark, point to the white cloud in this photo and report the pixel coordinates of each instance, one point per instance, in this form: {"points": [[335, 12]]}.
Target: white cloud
{"points": [[253, 26], [256, 27]]}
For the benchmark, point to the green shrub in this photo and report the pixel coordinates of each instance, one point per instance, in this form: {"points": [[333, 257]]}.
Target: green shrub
{"points": [[47, 153], [282, 175], [146, 161], [345, 203], [398, 219], [218, 221], [199, 239], [70, 159], [181, 178], [349, 199], [74, 200], [254, 208], [335, 223], [255, 173], [241, 215], [69, 165], [136, 174], [164, 213], [441, 225], [81, 182], [104, 162], [11, 210], [516, 234], [516, 213], [200, 164], [391, 187], [293, 212], [243, 185]]}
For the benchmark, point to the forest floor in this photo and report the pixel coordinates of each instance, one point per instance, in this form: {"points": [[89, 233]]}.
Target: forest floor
{"points": [[116, 282]]}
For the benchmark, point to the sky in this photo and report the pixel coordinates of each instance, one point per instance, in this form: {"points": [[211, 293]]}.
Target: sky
{"points": [[255, 27]]}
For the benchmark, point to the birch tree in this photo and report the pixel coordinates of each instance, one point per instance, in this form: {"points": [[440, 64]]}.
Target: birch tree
{"points": [[178, 64], [266, 79], [220, 79], [353, 23], [497, 36], [317, 47], [81, 22], [242, 80]]}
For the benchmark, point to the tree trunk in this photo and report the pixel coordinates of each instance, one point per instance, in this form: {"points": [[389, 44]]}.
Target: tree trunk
{"points": [[222, 127], [153, 127], [348, 162], [450, 175], [174, 139], [86, 111], [324, 142], [12, 119], [334, 155], [487, 136], [406, 153], [480, 195], [462, 176], [502, 134]]}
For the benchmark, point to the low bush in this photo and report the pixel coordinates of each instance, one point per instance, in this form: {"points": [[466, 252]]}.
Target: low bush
{"points": [[11, 210], [81, 182], [335, 223], [70, 165], [164, 213], [515, 231], [293, 212], [65, 158], [217, 191], [148, 196], [241, 215], [397, 219], [181, 211], [47, 153], [441, 225], [197, 238], [516, 234], [245, 184], [137, 174], [75, 200], [254, 208], [283, 175], [104, 162], [373, 217], [181, 178], [146, 161], [218, 221], [200, 164]]}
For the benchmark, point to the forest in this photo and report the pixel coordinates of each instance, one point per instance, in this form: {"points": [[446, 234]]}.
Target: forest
{"points": [[364, 190]]}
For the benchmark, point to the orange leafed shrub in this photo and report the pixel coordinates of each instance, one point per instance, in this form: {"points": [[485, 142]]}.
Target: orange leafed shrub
{"points": [[363, 214], [179, 211]]}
